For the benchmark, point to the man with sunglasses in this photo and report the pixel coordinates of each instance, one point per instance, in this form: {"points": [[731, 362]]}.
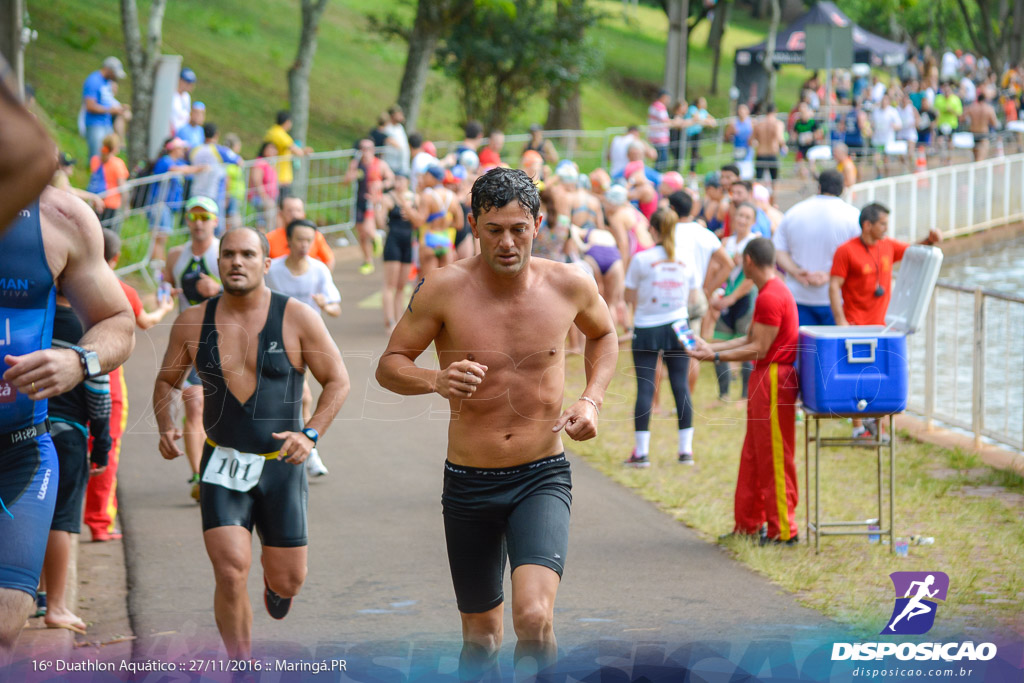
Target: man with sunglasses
{"points": [[192, 270]]}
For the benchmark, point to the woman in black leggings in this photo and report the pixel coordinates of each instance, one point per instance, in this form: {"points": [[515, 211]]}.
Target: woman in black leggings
{"points": [[660, 288]]}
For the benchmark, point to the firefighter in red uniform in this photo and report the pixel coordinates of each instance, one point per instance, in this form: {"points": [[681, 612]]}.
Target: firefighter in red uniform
{"points": [[766, 488]]}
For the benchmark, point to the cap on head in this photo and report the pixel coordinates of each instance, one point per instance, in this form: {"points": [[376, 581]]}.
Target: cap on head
{"points": [[175, 143], [113, 64], [429, 148], [567, 172], [632, 168], [536, 127], [711, 180], [201, 106], [672, 181], [436, 171], [617, 195], [761, 194], [204, 203], [531, 157], [469, 160], [188, 75]]}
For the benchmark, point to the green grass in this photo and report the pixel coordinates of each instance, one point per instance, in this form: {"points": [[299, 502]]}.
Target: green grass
{"points": [[241, 53], [973, 512]]}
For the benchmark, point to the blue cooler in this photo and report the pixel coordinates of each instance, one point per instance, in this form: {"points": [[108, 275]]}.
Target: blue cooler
{"points": [[862, 369]]}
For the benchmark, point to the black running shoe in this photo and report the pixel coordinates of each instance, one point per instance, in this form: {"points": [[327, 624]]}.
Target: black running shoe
{"points": [[795, 540], [277, 607]]}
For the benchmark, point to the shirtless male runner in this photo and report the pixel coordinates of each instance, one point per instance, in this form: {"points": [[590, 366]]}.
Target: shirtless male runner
{"points": [[507, 482], [982, 118], [55, 240], [768, 140], [255, 344]]}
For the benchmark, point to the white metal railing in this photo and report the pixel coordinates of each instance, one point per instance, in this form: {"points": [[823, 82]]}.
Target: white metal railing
{"points": [[967, 364], [957, 200]]}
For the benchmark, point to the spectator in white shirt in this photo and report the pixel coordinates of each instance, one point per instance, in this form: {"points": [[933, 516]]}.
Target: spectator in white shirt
{"points": [[396, 152], [181, 103], [309, 281], [807, 239], [885, 123]]}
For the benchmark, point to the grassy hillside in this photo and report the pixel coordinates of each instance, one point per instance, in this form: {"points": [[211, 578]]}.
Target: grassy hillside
{"points": [[241, 51]]}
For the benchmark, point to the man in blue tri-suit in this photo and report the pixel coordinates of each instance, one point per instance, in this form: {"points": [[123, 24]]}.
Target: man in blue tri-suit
{"points": [[54, 242]]}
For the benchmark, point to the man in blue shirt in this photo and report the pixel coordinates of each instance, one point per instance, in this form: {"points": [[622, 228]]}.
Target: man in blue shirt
{"points": [[99, 103], [166, 197], [193, 134]]}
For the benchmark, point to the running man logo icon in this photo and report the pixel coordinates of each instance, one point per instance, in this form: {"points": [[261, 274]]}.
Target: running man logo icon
{"points": [[916, 593]]}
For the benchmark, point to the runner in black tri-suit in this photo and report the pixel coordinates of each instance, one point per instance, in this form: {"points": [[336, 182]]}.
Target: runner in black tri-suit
{"points": [[255, 437]]}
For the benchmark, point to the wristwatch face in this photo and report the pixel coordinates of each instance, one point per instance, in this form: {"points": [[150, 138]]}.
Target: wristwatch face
{"points": [[311, 433], [92, 363]]}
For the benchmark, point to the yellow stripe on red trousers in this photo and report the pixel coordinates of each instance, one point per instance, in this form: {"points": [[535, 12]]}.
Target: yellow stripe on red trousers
{"points": [[766, 487]]}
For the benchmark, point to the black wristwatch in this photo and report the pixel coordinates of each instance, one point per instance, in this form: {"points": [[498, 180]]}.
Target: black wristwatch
{"points": [[717, 357], [311, 434], [90, 361]]}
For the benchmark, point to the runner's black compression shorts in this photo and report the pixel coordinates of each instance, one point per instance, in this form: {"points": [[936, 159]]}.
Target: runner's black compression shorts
{"points": [[520, 513], [276, 506]]}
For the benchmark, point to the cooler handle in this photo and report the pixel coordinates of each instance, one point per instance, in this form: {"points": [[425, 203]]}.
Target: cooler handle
{"points": [[851, 359]]}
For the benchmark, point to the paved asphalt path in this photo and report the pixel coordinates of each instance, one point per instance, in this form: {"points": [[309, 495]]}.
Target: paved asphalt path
{"points": [[378, 574]]}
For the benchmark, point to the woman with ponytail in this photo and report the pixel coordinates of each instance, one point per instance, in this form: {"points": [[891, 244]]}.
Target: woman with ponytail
{"points": [[660, 287]]}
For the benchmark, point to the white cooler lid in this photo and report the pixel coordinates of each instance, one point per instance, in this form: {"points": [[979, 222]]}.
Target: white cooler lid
{"points": [[912, 292]]}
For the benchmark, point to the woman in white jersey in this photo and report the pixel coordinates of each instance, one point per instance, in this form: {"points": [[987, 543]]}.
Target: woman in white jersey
{"points": [[660, 286]]}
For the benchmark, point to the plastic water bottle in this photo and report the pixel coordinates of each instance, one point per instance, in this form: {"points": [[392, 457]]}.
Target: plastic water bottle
{"points": [[685, 335], [163, 289]]}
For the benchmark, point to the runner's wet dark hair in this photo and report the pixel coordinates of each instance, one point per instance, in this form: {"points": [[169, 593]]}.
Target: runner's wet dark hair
{"points": [[500, 186]]}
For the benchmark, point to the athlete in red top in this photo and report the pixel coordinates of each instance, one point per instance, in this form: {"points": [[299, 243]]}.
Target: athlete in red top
{"points": [[766, 487], [861, 281]]}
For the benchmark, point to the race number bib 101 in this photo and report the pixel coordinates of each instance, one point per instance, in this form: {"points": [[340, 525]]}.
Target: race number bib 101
{"points": [[233, 470]]}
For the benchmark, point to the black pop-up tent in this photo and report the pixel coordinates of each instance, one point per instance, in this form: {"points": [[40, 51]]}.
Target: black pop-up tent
{"points": [[790, 44]]}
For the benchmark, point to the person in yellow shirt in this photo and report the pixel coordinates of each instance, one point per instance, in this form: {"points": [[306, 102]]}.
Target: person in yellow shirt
{"points": [[278, 135]]}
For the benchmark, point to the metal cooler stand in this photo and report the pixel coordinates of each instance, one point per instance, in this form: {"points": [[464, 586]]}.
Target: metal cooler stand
{"points": [[818, 527]]}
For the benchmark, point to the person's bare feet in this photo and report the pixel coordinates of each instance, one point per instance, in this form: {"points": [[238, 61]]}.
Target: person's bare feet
{"points": [[63, 618]]}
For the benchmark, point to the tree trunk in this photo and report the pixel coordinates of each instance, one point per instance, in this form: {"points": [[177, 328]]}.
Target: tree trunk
{"points": [[564, 109], [769, 55], [142, 69], [675, 53], [426, 33], [1015, 52], [298, 74], [715, 41]]}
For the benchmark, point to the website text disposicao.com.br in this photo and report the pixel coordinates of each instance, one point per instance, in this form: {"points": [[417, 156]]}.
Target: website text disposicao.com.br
{"points": [[951, 654], [868, 672]]}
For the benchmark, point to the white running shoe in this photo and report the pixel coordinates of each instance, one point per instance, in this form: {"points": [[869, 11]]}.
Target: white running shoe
{"points": [[314, 465]]}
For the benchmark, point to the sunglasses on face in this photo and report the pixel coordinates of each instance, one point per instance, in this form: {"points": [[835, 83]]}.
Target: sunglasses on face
{"points": [[201, 216]]}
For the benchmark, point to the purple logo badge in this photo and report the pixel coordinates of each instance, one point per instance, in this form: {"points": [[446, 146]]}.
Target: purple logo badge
{"points": [[916, 593]]}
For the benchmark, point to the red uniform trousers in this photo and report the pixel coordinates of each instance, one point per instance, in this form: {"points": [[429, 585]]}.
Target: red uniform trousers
{"points": [[766, 488], [101, 494]]}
